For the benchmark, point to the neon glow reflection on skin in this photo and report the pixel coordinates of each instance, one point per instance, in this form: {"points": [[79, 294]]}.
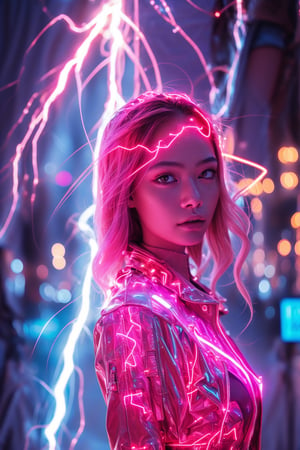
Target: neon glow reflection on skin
{"points": [[106, 25]]}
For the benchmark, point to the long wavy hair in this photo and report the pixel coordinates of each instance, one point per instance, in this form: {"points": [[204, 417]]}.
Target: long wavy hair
{"points": [[122, 155]]}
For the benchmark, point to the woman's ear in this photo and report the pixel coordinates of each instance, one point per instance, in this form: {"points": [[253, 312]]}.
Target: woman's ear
{"points": [[131, 202]]}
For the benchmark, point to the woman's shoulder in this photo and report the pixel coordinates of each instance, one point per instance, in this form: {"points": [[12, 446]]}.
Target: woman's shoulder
{"points": [[137, 290]]}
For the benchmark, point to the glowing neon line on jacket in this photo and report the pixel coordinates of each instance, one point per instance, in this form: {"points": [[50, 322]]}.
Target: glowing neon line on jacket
{"points": [[207, 444], [131, 397], [240, 366], [180, 321], [226, 408], [191, 371], [40, 115], [132, 341]]}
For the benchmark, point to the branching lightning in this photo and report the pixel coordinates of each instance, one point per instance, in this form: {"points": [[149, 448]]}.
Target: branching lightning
{"points": [[113, 29]]}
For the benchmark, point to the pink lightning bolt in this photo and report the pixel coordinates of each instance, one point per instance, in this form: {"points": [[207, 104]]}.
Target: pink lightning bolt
{"points": [[108, 21]]}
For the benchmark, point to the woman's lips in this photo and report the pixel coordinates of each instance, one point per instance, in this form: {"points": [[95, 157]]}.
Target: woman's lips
{"points": [[192, 224]]}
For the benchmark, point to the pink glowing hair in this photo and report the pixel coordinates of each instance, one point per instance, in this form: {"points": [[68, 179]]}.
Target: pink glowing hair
{"points": [[117, 225]]}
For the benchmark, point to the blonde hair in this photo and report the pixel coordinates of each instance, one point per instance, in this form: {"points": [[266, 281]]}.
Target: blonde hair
{"points": [[117, 225]]}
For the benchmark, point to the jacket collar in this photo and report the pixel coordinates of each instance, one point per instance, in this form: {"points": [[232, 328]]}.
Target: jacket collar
{"points": [[141, 260]]}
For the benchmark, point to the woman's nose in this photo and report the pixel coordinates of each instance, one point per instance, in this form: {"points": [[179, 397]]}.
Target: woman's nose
{"points": [[191, 196]]}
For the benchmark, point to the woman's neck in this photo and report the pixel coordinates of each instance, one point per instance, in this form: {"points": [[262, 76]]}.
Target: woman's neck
{"points": [[176, 260]]}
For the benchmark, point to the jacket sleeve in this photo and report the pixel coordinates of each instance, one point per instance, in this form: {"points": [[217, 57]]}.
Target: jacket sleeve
{"points": [[125, 364]]}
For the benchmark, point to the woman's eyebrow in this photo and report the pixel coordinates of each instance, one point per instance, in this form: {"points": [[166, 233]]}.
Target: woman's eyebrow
{"points": [[177, 164]]}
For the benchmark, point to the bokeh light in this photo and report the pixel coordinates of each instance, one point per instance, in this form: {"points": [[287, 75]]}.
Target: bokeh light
{"points": [[57, 178], [244, 183], [47, 292], [58, 249], [258, 238], [257, 188], [42, 272], [259, 255], [288, 155], [264, 288], [268, 185], [270, 271], [270, 312], [289, 180], [256, 207], [17, 265], [259, 269], [284, 247], [59, 262], [58, 252], [63, 178], [295, 220], [64, 296]]}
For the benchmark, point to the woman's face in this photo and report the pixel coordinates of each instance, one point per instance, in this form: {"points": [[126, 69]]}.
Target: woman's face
{"points": [[177, 193]]}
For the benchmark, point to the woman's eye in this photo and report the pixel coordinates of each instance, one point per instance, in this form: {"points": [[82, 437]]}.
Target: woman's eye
{"points": [[208, 174], [165, 179]]}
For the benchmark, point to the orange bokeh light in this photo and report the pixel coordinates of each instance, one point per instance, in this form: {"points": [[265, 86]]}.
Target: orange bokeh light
{"points": [[268, 185], [287, 155], [58, 249], [295, 220], [59, 262], [284, 247], [289, 180], [256, 205], [257, 188]]}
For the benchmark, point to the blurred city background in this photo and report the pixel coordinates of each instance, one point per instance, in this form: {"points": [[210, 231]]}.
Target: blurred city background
{"points": [[66, 65]]}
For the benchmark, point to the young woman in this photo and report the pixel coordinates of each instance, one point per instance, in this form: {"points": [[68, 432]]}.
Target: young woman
{"points": [[170, 375]]}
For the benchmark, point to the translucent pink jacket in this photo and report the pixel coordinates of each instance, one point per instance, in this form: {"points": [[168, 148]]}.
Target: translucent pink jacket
{"points": [[170, 375]]}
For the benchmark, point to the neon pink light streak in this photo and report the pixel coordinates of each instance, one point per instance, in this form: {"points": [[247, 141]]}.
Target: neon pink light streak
{"points": [[226, 356], [131, 355], [226, 409], [205, 134], [46, 325], [159, 145], [191, 370], [247, 162], [169, 18], [198, 444], [133, 341], [239, 365], [130, 398], [111, 10], [36, 427], [100, 23]]}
